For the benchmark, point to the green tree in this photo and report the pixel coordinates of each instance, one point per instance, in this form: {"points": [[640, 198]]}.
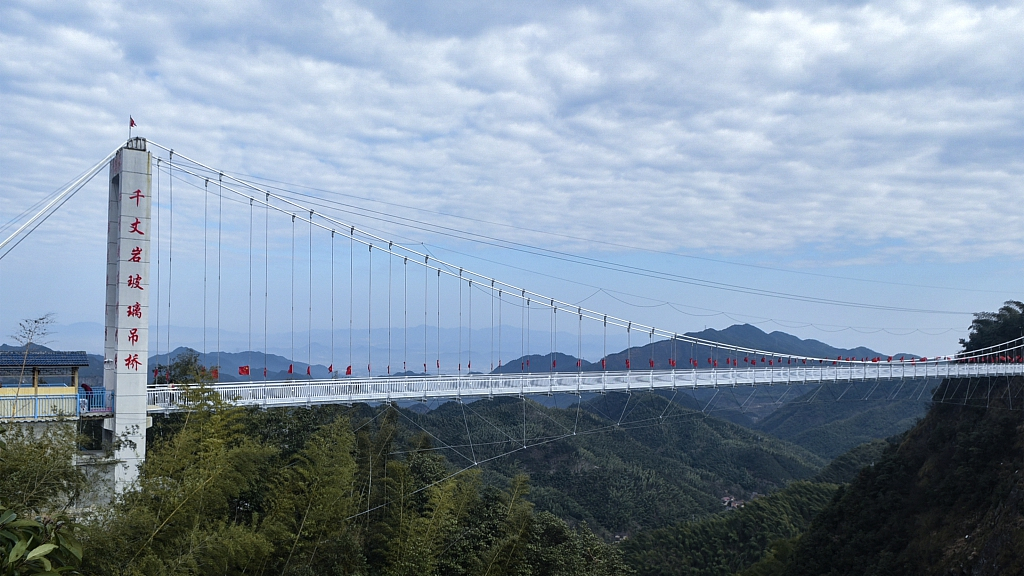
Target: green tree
{"points": [[41, 546], [991, 328], [186, 368], [184, 516], [38, 482], [309, 510], [37, 468]]}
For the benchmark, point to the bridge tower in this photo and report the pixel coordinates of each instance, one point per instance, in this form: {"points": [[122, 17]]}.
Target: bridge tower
{"points": [[126, 333]]}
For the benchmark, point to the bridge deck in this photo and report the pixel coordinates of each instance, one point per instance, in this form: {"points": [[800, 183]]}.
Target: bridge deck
{"points": [[382, 389]]}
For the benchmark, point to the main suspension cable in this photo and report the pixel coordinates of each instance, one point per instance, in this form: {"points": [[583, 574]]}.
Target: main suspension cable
{"points": [[556, 303]]}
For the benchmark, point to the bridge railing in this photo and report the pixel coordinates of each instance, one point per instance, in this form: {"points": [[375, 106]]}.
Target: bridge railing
{"points": [[33, 407], [349, 390], [95, 403], [30, 407]]}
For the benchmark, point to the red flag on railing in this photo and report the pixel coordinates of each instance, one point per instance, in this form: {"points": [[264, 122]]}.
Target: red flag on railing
{"points": [[308, 372], [243, 370], [264, 371], [627, 363], [348, 370], [652, 363], [331, 368], [289, 368], [604, 364]]}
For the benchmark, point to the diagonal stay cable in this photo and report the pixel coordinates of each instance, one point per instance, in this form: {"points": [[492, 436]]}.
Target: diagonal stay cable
{"points": [[493, 425], [469, 435], [548, 416], [460, 471], [442, 442]]}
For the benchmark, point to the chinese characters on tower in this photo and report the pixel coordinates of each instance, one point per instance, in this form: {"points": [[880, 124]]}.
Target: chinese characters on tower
{"points": [[127, 277], [135, 226]]}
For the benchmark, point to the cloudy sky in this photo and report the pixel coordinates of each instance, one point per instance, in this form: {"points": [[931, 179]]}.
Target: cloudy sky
{"points": [[863, 152]]}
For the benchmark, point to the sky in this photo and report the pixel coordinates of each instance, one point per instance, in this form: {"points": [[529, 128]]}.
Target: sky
{"points": [[868, 153]]}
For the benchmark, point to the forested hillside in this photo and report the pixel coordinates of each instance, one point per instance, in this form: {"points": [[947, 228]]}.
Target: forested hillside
{"points": [[298, 492], [728, 542], [635, 462], [845, 467], [947, 498], [835, 417]]}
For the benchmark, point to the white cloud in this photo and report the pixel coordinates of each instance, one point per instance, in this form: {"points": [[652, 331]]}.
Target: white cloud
{"points": [[857, 132]]}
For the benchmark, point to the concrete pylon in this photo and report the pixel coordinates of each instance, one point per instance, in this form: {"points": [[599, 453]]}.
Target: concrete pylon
{"points": [[126, 335]]}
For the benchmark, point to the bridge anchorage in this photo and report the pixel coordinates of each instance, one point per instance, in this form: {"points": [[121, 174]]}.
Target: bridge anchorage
{"points": [[328, 262]]}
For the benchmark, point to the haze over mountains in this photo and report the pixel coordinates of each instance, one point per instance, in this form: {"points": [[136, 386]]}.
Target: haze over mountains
{"points": [[486, 346], [639, 354]]}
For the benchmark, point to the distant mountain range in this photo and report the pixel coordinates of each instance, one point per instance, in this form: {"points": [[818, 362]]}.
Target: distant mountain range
{"points": [[744, 335], [640, 357]]}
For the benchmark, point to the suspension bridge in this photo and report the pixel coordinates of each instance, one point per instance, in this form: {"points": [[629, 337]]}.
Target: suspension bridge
{"points": [[271, 257]]}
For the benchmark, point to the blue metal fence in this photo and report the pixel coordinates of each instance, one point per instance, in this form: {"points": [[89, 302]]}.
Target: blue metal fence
{"points": [[31, 407]]}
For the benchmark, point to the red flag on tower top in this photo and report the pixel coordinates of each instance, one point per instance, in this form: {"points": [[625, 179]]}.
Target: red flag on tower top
{"points": [[131, 122]]}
